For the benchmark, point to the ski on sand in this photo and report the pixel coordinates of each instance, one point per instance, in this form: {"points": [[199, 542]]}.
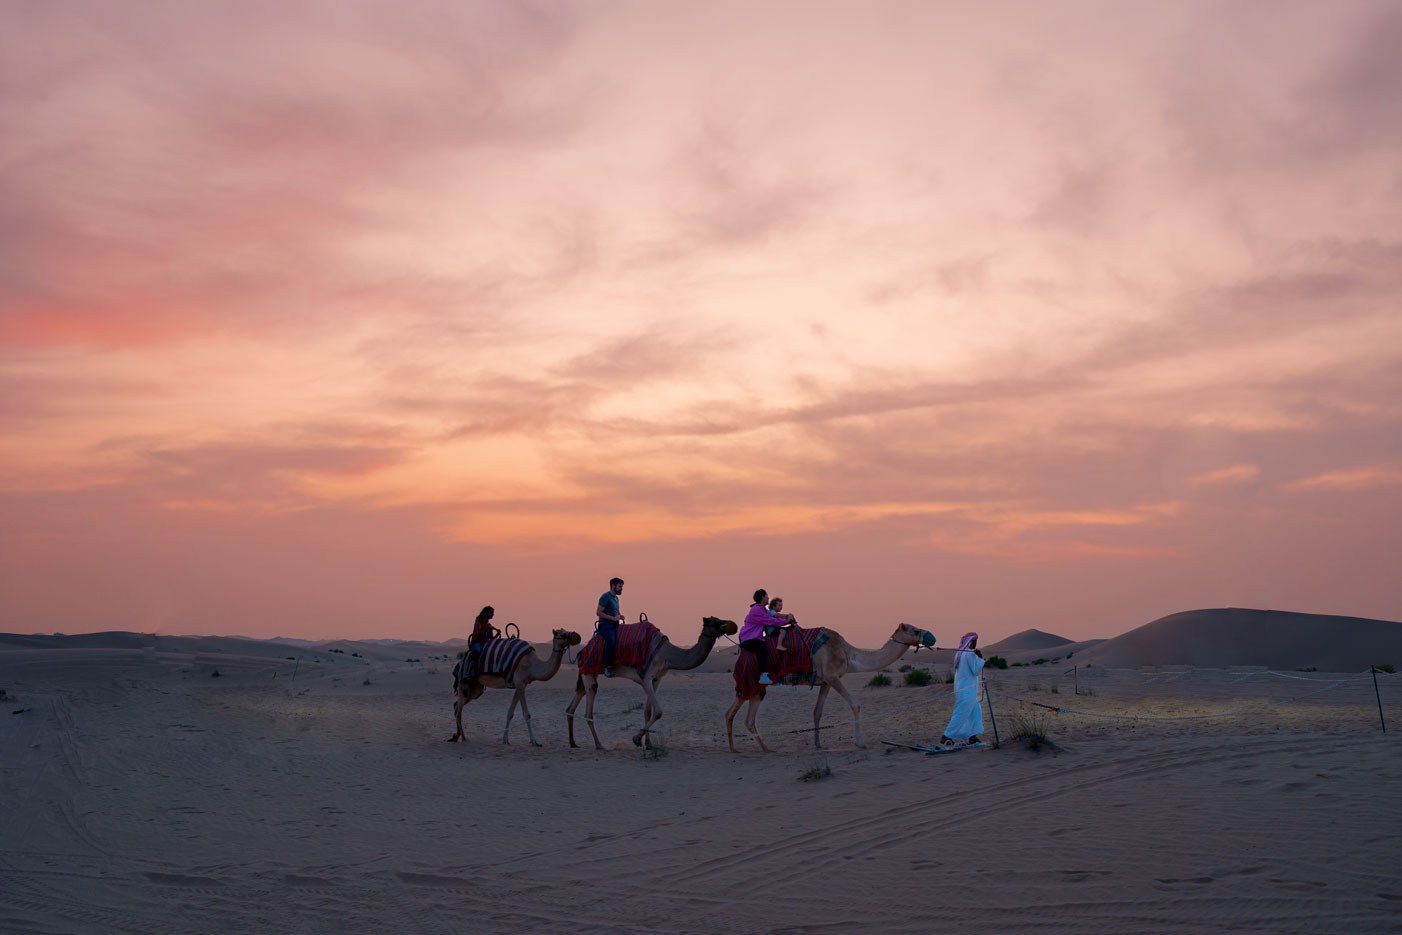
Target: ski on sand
{"points": [[931, 751]]}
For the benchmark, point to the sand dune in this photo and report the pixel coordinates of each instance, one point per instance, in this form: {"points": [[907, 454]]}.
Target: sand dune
{"points": [[1239, 637], [1026, 641]]}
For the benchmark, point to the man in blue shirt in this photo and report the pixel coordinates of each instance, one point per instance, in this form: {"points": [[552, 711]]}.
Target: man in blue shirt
{"points": [[609, 619]]}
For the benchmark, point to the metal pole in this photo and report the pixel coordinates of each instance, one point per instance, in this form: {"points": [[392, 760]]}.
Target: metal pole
{"points": [[1077, 673], [987, 698], [1374, 670]]}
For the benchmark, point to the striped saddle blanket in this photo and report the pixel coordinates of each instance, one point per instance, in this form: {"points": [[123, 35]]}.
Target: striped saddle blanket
{"points": [[499, 657], [794, 666], [636, 642]]}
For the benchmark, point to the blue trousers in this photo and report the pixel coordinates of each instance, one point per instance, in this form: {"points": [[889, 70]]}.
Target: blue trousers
{"points": [[608, 629]]}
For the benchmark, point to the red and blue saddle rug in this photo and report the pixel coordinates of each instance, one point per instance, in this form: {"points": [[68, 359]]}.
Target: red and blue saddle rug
{"points": [[499, 657], [793, 666], [636, 642]]}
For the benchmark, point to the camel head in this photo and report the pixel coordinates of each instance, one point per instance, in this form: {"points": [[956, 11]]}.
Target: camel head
{"points": [[715, 626], [913, 636], [559, 638]]}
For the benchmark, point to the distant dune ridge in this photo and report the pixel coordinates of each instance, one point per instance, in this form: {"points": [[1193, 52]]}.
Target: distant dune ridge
{"points": [[1026, 641], [1212, 638], [1235, 636], [1221, 637]]}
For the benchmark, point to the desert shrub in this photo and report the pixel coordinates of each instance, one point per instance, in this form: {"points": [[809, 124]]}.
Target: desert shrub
{"points": [[996, 662], [1386, 667], [879, 679], [1308, 669], [214, 674], [949, 677], [1039, 662], [355, 654], [1054, 689], [366, 682], [918, 677], [906, 668], [1030, 727], [291, 658], [1018, 665], [820, 769]]}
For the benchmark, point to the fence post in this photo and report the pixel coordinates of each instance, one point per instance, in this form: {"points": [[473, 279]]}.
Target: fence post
{"points": [[1374, 670], [989, 700], [1078, 679]]}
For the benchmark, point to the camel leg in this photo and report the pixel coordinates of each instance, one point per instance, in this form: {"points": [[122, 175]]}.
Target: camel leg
{"points": [[652, 713], [589, 712], [750, 714], [730, 722], [856, 709], [458, 704], [530, 731], [516, 696], [569, 712], [818, 716]]}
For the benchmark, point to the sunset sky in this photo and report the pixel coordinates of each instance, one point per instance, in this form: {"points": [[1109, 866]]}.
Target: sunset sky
{"points": [[345, 318]]}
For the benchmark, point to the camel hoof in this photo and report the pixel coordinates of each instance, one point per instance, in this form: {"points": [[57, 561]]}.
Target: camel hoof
{"points": [[637, 740], [535, 743]]}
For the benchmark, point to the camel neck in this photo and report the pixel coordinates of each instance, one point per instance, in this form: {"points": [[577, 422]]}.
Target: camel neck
{"points": [[862, 660], [690, 658]]}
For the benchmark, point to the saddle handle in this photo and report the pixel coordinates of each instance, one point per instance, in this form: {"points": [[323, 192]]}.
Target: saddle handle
{"points": [[508, 633], [642, 618]]}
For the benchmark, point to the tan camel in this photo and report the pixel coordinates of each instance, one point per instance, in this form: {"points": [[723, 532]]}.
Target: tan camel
{"points": [[528, 669], [831, 661], [663, 659]]}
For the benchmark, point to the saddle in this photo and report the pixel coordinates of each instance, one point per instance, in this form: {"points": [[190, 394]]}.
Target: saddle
{"points": [[793, 666], [498, 657], [636, 642]]}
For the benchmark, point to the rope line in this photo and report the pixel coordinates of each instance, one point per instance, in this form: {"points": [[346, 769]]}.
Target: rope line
{"points": [[1121, 717]]}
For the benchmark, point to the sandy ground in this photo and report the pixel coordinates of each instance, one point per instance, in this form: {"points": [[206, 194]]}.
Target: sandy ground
{"points": [[142, 794]]}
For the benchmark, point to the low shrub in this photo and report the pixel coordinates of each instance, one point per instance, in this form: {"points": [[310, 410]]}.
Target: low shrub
{"points": [[996, 662], [918, 677], [879, 679], [906, 668], [820, 769], [1386, 667], [1030, 728]]}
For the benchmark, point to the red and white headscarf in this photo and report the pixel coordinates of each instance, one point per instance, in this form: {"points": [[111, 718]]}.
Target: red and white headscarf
{"points": [[965, 645]]}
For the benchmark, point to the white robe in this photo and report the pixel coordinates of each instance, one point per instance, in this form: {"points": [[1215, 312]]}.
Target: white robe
{"points": [[967, 720]]}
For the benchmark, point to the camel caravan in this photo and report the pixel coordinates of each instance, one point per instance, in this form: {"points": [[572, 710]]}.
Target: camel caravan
{"points": [[773, 650]]}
